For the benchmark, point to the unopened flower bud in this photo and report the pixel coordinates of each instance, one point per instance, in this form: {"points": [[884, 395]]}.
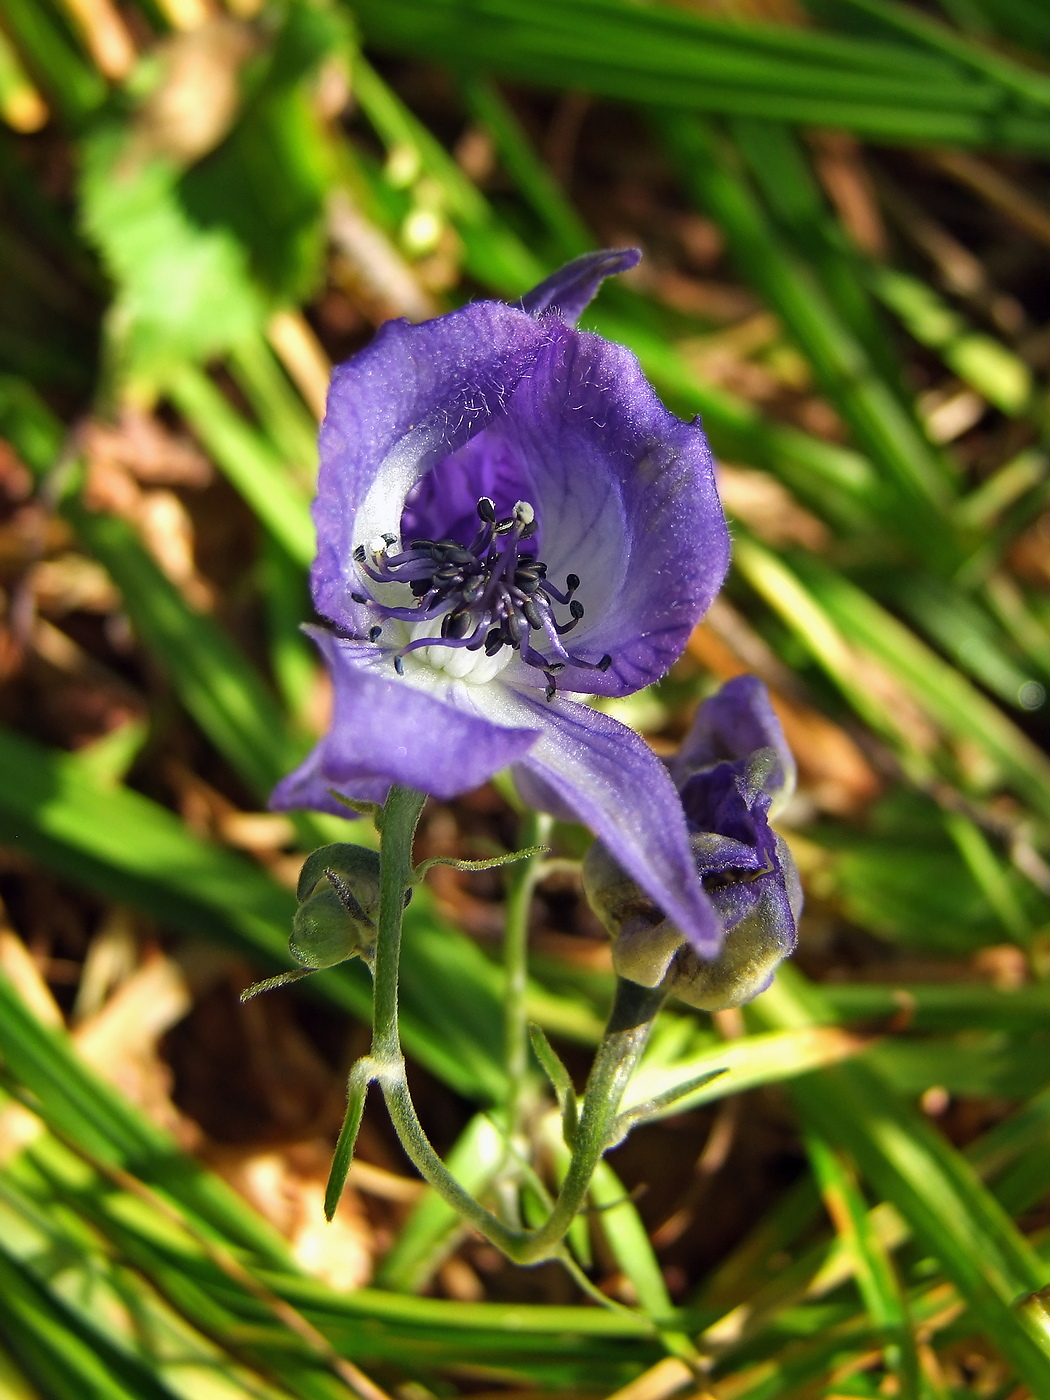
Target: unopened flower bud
{"points": [[338, 897], [732, 767]]}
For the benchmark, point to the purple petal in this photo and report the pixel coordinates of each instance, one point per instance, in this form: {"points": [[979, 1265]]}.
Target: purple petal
{"points": [[385, 731], [625, 497], [735, 722], [307, 788], [411, 397], [568, 291], [589, 765]]}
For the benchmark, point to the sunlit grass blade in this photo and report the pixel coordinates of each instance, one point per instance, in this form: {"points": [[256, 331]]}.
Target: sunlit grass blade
{"points": [[912, 1166], [824, 608], [495, 253], [872, 1268], [71, 84], [950, 699], [891, 91], [980, 361], [21, 105], [628, 1240], [62, 1353], [215, 681], [280, 410], [758, 1059], [253, 467], [710, 172]]}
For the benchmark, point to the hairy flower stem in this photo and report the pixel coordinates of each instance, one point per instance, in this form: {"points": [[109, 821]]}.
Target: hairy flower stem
{"points": [[625, 1038], [535, 828]]}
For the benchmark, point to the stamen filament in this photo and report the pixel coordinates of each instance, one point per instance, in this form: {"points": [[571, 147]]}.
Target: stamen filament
{"points": [[486, 594]]}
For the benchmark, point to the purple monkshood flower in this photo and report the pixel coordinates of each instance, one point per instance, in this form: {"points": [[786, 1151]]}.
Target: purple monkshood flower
{"points": [[491, 482], [733, 771]]}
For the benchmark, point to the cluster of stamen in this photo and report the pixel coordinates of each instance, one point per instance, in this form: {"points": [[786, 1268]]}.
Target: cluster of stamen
{"points": [[483, 596]]}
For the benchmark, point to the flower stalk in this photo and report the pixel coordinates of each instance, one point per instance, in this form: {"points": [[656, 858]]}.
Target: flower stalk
{"points": [[535, 829], [624, 1041]]}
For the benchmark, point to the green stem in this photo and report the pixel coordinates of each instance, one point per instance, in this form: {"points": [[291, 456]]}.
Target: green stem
{"points": [[535, 828], [400, 817], [625, 1038]]}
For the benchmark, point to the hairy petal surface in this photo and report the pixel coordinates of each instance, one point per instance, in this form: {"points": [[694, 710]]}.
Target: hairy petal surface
{"points": [[625, 498]]}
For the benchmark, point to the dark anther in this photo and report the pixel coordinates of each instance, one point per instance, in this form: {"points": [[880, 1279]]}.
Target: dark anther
{"points": [[487, 589]]}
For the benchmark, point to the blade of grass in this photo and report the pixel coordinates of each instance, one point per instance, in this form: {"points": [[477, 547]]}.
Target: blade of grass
{"points": [[937, 1006], [872, 1268], [659, 55], [215, 681], [61, 1352], [710, 173], [628, 1241], [72, 86], [947, 695], [253, 467], [911, 1165], [533, 178]]}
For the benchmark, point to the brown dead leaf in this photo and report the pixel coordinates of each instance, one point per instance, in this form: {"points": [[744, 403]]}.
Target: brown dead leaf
{"points": [[195, 103], [16, 480], [371, 269], [1029, 554], [72, 582], [768, 507], [287, 1188], [139, 444], [120, 1041], [839, 160], [167, 532]]}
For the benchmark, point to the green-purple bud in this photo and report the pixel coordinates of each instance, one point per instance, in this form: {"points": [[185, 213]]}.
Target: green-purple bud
{"points": [[338, 897]]}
